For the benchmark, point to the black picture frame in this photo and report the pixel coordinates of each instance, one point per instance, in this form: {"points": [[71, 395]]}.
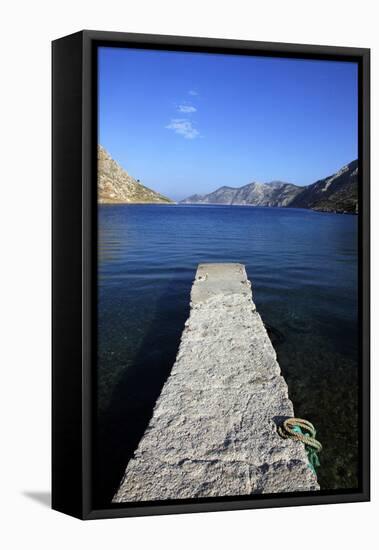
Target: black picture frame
{"points": [[74, 205]]}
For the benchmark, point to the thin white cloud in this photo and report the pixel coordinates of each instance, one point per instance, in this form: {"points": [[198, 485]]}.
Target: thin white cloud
{"points": [[183, 128], [187, 109], [193, 92]]}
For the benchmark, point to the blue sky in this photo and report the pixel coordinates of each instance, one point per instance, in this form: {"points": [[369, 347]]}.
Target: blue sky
{"points": [[186, 123]]}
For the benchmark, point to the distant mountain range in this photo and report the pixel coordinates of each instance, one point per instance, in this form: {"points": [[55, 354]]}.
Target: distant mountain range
{"points": [[336, 193], [116, 186]]}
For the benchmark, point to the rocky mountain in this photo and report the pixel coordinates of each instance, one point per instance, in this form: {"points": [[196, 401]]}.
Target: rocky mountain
{"points": [[116, 186], [275, 193], [336, 193]]}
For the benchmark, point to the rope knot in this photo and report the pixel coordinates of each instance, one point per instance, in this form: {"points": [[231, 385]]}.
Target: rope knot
{"points": [[304, 431]]}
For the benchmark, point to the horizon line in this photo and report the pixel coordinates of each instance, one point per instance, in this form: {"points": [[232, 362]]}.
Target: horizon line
{"points": [[238, 187]]}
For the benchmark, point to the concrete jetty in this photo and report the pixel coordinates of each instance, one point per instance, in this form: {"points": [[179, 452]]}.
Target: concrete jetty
{"points": [[214, 427]]}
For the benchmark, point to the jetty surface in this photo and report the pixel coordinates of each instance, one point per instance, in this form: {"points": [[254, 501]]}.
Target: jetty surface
{"points": [[214, 427]]}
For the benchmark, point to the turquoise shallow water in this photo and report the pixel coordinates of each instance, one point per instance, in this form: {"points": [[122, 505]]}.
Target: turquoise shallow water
{"points": [[303, 269]]}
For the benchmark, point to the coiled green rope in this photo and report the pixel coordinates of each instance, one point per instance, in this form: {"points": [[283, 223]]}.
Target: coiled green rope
{"points": [[304, 431]]}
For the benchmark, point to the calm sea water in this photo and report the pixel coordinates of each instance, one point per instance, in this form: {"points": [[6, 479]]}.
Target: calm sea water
{"points": [[303, 269]]}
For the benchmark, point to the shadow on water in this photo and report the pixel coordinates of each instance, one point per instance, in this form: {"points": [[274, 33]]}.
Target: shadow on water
{"points": [[334, 413], [303, 266], [122, 425], [276, 336]]}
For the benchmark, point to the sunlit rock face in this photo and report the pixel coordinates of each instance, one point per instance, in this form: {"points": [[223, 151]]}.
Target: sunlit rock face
{"points": [[116, 186], [336, 193]]}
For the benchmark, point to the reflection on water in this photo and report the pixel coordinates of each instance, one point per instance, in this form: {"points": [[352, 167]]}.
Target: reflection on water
{"points": [[303, 268]]}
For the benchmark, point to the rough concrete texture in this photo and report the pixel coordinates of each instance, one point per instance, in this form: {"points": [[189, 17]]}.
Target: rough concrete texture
{"points": [[214, 427]]}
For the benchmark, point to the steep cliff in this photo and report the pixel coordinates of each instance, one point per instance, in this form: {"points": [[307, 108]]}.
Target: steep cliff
{"points": [[116, 186], [336, 193]]}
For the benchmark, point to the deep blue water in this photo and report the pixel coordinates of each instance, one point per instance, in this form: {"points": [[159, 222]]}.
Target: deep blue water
{"points": [[303, 269]]}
